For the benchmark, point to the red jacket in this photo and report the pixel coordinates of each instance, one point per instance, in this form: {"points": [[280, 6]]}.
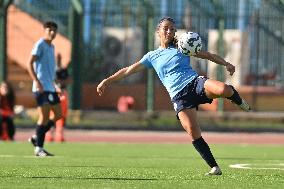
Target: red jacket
{"points": [[6, 109]]}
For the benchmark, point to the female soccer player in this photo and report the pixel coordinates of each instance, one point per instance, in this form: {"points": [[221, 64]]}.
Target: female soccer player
{"points": [[186, 89], [41, 67]]}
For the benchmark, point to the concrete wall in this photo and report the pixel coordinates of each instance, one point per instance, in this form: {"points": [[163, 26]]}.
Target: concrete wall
{"points": [[260, 98]]}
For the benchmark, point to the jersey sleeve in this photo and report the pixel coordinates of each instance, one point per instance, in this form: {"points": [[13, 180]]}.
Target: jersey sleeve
{"points": [[146, 60], [36, 51]]}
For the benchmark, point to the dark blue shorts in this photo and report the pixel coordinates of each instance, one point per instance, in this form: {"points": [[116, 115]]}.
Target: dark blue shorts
{"points": [[191, 95], [47, 97]]}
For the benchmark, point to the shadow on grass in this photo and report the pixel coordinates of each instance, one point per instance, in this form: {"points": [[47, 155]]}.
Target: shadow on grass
{"points": [[80, 178], [93, 178]]}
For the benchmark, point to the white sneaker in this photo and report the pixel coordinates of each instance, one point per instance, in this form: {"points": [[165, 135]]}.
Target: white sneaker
{"points": [[214, 171], [244, 106], [41, 152]]}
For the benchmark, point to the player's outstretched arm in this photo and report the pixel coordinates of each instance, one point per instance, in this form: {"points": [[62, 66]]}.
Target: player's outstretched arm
{"points": [[120, 74], [217, 59]]}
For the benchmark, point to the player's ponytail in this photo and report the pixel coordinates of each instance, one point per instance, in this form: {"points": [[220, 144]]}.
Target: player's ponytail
{"points": [[175, 42]]}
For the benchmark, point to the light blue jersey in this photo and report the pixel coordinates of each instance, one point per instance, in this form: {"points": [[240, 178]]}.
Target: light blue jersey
{"points": [[44, 66], [172, 67]]}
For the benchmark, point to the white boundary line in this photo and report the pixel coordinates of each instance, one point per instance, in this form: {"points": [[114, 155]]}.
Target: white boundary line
{"points": [[267, 166]]}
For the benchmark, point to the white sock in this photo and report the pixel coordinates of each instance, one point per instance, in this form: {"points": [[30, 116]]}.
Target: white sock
{"points": [[37, 148]]}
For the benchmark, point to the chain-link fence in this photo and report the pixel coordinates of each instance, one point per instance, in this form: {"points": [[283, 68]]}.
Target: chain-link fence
{"points": [[114, 33]]}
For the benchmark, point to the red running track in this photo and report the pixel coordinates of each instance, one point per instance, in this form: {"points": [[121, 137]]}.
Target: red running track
{"points": [[160, 137]]}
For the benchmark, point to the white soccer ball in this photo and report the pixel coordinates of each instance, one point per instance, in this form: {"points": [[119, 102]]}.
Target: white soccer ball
{"points": [[189, 43]]}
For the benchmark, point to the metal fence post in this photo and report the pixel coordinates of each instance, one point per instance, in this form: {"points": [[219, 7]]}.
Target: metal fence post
{"points": [[4, 4], [149, 46], [75, 35], [220, 47], [150, 74], [220, 68]]}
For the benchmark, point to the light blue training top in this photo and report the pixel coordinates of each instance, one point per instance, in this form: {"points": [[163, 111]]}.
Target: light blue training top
{"points": [[172, 67], [45, 65]]}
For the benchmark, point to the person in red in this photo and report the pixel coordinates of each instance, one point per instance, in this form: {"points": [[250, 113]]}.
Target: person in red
{"points": [[125, 104], [7, 103], [62, 80]]}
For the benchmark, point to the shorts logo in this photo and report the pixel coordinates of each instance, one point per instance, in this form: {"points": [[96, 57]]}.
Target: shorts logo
{"points": [[50, 98], [200, 85], [175, 106]]}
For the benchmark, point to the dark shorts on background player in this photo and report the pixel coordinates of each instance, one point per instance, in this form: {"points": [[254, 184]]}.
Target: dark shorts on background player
{"points": [[46, 97], [191, 95]]}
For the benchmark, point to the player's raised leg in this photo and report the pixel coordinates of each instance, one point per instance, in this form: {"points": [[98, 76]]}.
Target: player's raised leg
{"points": [[216, 89]]}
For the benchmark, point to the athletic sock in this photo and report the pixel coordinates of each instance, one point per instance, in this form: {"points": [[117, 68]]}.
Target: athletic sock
{"points": [[49, 124], [38, 148], [40, 133], [202, 147], [235, 97]]}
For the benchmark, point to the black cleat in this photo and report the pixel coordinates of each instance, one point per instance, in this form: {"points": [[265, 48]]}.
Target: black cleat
{"points": [[47, 153], [245, 106]]}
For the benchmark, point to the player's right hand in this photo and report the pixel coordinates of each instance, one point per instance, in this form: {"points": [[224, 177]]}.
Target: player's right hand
{"points": [[101, 88], [39, 87]]}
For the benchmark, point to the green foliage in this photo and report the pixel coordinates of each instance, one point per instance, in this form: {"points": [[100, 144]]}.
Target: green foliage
{"points": [[101, 165]]}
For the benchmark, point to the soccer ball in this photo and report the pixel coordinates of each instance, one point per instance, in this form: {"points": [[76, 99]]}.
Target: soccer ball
{"points": [[189, 43]]}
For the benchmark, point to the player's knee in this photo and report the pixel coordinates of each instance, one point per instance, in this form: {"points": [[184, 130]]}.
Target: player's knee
{"points": [[224, 90], [58, 116], [42, 121]]}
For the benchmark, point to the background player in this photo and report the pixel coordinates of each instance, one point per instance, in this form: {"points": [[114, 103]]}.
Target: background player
{"points": [[41, 67], [62, 80]]}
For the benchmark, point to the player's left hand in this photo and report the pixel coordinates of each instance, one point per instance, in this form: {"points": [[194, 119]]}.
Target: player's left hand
{"points": [[230, 68]]}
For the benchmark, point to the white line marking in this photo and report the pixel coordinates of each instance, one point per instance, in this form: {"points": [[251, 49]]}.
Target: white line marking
{"points": [[240, 166], [261, 166]]}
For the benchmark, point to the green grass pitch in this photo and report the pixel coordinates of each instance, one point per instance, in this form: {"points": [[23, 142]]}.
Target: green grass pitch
{"points": [[106, 165]]}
